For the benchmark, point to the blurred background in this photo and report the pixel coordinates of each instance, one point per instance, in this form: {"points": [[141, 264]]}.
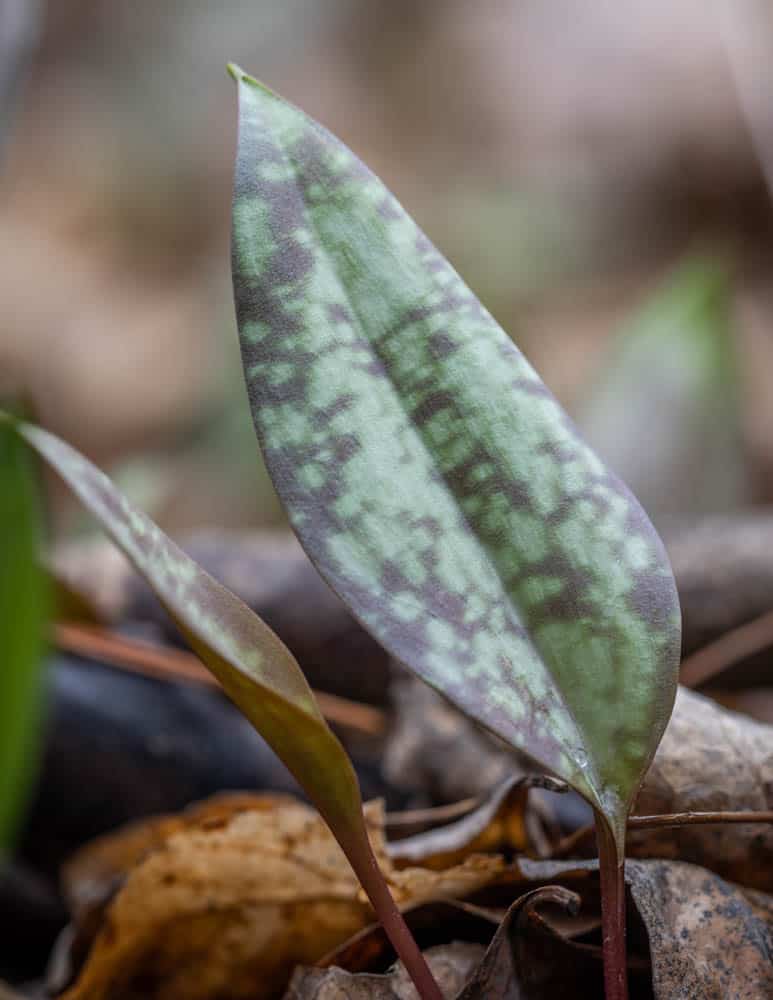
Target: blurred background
{"points": [[598, 173]]}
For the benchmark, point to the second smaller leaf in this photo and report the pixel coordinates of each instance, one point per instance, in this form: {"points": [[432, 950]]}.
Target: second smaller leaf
{"points": [[254, 667]]}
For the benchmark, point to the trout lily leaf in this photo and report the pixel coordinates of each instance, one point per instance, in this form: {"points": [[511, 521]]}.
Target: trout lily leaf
{"points": [[431, 476]]}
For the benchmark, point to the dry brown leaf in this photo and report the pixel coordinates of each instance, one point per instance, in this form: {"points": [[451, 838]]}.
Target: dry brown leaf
{"points": [[96, 871], [411, 886], [233, 894], [231, 897], [516, 967], [723, 566], [707, 938], [711, 759], [512, 966], [230, 902]]}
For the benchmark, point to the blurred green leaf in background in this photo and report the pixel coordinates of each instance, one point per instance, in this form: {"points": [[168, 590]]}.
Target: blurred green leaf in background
{"points": [[23, 617], [665, 412]]}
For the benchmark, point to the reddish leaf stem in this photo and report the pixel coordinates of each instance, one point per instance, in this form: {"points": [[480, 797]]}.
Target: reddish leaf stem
{"points": [[363, 861], [612, 873]]}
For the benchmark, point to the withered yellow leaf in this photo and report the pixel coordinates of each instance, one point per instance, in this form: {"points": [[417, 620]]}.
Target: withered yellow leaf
{"points": [[227, 899]]}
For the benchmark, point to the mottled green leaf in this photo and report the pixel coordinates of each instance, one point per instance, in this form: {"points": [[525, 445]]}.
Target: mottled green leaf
{"points": [[23, 621], [665, 412], [432, 477], [256, 670]]}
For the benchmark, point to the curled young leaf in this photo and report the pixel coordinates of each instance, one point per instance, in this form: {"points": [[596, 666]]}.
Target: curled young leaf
{"points": [[431, 476]]}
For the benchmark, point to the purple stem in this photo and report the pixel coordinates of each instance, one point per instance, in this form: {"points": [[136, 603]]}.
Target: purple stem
{"points": [[612, 872], [363, 861]]}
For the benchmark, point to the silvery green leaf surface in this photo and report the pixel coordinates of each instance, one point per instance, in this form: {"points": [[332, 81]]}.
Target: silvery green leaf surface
{"points": [[665, 411], [433, 478], [23, 623], [255, 669]]}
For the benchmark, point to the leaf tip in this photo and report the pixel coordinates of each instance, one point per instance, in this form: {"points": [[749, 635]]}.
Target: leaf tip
{"points": [[235, 72], [239, 76]]}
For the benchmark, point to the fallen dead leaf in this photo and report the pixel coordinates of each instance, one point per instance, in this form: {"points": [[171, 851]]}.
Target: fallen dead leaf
{"points": [[724, 572], [93, 874], [231, 896], [504, 970], [500, 821], [514, 966], [707, 938], [203, 913], [532, 945]]}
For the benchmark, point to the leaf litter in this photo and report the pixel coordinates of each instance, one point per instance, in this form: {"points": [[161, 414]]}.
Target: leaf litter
{"points": [[228, 899]]}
